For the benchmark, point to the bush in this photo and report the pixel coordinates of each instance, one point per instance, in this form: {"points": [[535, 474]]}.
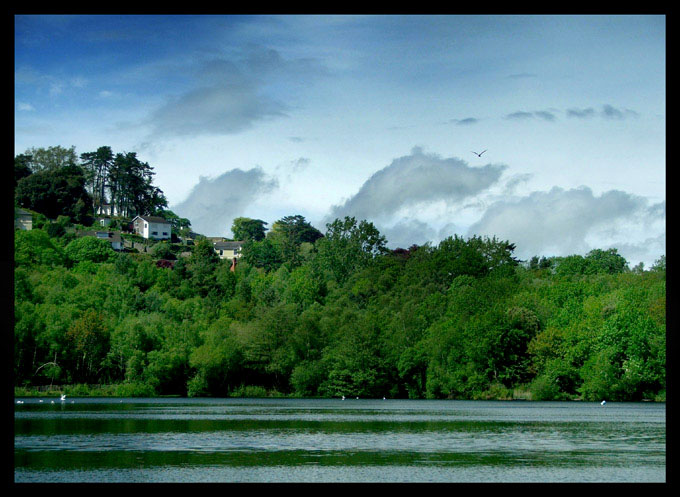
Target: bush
{"points": [[36, 247], [89, 248]]}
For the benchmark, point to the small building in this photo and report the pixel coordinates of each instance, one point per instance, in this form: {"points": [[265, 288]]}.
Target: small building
{"points": [[228, 250], [152, 227], [114, 239], [23, 220], [104, 221]]}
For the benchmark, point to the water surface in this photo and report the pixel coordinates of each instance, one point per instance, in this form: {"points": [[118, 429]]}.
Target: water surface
{"points": [[314, 440]]}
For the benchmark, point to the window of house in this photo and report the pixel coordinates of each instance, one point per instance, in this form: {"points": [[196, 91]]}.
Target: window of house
{"points": [[154, 232], [165, 233], [146, 225]]}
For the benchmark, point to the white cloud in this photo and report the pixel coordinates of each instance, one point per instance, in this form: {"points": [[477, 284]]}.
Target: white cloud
{"points": [[564, 222], [414, 179], [213, 203]]}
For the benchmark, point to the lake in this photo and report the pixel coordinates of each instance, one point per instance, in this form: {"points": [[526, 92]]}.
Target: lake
{"points": [[334, 440]]}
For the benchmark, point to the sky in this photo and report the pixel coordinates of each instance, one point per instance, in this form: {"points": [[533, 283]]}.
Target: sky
{"points": [[375, 117]]}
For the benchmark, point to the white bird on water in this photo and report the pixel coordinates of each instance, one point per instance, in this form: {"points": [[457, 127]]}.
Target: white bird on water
{"points": [[63, 397], [603, 402], [343, 397]]}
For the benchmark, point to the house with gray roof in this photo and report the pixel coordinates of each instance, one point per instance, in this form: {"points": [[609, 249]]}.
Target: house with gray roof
{"points": [[152, 227], [228, 250]]}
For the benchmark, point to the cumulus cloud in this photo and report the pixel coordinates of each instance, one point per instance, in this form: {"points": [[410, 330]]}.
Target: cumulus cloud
{"points": [[418, 178], [407, 232], [648, 250], [564, 222], [514, 181], [213, 203]]}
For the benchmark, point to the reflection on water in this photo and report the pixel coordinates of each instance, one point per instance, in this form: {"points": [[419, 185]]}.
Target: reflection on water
{"points": [[229, 440]]}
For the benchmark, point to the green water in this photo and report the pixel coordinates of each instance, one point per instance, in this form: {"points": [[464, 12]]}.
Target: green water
{"points": [[291, 440]]}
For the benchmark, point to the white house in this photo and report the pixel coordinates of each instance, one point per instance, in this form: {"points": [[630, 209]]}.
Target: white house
{"points": [[153, 227], [113, 238], [228, 250]]}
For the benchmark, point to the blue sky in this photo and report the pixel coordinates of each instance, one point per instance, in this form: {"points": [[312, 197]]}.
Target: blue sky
{"points": [[371, 116]]}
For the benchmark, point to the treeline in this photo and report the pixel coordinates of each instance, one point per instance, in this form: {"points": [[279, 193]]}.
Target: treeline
{"points": [[57, 181], [336, 313]]}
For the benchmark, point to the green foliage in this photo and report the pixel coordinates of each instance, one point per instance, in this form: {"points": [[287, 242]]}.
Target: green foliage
{"points": [[89, 248], [35, 247], [55, 192], [339, 315], [163, 250], [262, 254], [50, 158], [246, 229]]}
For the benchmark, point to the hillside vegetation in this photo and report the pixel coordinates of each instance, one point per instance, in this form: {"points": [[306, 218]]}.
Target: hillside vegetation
{"points": [[339, 314]]}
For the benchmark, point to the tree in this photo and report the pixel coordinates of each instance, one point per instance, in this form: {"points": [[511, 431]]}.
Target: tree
{"points": [[659, 264], [36, 247], [605, 261], [163, 250], [247, 229], [263, 254], [96, 166], [454, 256], [289, 233], [296, 229], [55, 192], [202, 265], [89, 248], [90, 337], [22, 167], [178, 223], [51, 158], [348, 246], [131, 189]]}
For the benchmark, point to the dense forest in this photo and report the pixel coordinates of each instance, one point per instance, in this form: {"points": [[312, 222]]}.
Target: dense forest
{"points": [[314, 314]]}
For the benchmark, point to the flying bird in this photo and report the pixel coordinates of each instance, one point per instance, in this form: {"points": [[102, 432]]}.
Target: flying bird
{"points": [[478, 154]]}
